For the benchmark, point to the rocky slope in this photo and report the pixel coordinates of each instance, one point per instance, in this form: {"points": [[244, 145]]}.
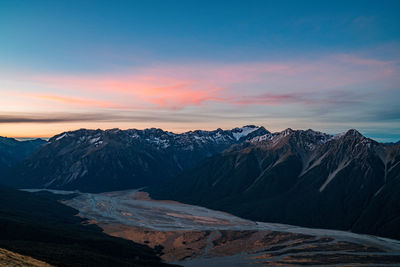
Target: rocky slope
{"points": [[303, 178], [96, 160]]}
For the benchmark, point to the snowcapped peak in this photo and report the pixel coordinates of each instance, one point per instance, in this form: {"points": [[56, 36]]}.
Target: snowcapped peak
{"points": [[244, 131]]}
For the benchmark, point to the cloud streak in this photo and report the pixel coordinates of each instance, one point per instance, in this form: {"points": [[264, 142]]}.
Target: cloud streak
{"points": [[176, 87], [75, 101], [116, 116]]}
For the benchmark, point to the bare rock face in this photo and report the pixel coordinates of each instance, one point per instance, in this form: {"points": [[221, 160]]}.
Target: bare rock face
{"points": [[303, 178], [97, 160]]}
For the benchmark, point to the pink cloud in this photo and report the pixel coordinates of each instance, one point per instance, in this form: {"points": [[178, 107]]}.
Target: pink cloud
{"points": [[266, 99], [180, 95], [133, 91], [179, 86]]}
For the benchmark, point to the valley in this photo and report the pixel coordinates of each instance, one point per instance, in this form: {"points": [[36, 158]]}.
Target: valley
{"points": [[195, 236]]}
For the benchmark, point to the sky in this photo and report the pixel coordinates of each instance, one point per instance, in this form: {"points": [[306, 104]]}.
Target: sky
{"points": [[182, 65]]}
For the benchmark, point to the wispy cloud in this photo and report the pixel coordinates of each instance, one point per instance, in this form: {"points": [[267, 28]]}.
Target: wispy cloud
{"points": [[179, 86], [113, 116], [75, 101], [53, 118], [87, 117]]}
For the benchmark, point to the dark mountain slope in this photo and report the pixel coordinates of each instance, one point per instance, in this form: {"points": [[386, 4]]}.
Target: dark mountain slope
{"points": [[383, 212], [13, 151], [96, 160], [300, 177], [44, 229], [337, 184], [259, 170]]}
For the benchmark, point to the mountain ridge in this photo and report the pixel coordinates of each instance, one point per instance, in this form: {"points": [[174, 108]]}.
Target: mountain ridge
{"points": [[120, 159], [301, 178]]}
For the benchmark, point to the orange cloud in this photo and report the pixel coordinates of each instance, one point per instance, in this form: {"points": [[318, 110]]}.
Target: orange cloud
{"points": [[134, 90], [76, 101]]}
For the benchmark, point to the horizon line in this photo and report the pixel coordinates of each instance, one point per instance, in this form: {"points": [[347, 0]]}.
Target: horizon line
{"points": [[26, 138]]}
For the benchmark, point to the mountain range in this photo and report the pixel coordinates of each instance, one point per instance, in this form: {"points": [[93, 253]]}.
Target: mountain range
{"points": [[98, 161], [305, 178], [300, 177]]}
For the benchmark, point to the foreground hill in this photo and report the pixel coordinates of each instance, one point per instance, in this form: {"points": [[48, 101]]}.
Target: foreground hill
{"points": [[13, 151], [96, 160], [46, 230], [303, 178], [9, 258]]}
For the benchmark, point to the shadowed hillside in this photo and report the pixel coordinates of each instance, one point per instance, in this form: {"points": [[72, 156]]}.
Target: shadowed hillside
{"points": [[49, 231]]}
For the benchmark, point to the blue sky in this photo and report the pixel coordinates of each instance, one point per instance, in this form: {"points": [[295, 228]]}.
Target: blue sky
{"points": [[180, 65]]}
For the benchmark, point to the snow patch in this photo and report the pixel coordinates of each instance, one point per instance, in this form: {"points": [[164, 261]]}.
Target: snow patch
{"points": [[265, 137], [61, 136], [94, 140], [241, 132]]}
